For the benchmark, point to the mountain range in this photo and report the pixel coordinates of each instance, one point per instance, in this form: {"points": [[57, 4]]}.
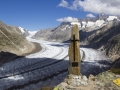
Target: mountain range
{"points": [[62, 32]]}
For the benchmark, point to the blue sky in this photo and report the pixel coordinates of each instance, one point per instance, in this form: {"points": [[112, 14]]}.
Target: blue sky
{"points": [[40, 14]]}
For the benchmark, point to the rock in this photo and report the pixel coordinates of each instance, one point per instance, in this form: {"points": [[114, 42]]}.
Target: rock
{"points": [[79, 77], [85, 78], [105, 80], [83, 83], [70, 76], [77, 83], [69, 81], [75, 77], [66, 80], [97, 83], [91, 77], [69, 88], [74, 83], [117, 76]]}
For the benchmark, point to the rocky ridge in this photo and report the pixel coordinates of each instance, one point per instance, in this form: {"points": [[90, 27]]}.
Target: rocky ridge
{"points": [[12, 40], [105, 39], [60, 33]]}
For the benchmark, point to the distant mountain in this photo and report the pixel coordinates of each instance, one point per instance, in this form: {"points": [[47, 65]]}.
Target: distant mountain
{"points": [[24, 31], [60, 33], [63, 31], [12, 40]]}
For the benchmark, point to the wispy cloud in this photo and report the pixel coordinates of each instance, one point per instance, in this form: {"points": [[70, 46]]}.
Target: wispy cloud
{"points": [[63, 4], [90, 15], [67, 19], [95, 6]]}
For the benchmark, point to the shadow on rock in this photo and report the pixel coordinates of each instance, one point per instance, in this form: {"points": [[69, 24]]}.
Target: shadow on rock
{"points": [[7, 57]]}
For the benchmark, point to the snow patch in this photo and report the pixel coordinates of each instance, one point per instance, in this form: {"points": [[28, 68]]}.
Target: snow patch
{"points": [[99, 22], [83, 24], [63, 29], [90, 23], [15, 78], [22, 29], [78, 23], [110, 18]]}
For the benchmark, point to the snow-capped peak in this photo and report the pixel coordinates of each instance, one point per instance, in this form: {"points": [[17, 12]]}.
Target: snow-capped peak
{"points": [[110, 18], [95, 23], [22, 29]]}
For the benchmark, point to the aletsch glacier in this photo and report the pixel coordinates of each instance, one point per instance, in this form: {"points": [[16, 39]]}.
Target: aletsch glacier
{"points": [[48, 67]]}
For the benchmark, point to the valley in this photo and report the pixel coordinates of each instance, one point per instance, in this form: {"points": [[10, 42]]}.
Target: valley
{"points": [[42, 56], [60, 45], [48, 67]]}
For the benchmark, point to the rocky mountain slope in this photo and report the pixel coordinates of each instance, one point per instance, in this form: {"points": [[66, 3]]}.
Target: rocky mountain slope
{"points": [[12, 40], [105, 39], [60, 33]]}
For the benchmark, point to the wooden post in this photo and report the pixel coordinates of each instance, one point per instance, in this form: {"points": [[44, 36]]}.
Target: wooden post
{"points": [[74, 52]]}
